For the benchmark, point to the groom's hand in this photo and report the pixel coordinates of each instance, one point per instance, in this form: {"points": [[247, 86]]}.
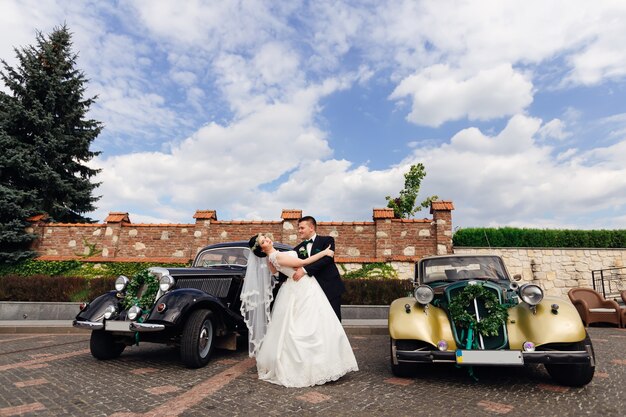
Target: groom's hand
{"points": [[298, 274]]}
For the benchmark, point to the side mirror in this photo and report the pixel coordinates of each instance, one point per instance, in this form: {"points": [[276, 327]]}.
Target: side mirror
{"points": [[517, 277]]}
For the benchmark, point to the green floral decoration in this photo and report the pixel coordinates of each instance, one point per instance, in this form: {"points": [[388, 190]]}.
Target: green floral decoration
{"points": [[496, 316], [147, 298]]}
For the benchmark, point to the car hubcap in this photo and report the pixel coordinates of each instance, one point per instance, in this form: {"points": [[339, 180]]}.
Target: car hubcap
{"points": [[204, 342]]}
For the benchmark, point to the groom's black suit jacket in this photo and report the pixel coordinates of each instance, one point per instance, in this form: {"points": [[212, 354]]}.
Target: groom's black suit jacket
{"points": [[324, 270]]}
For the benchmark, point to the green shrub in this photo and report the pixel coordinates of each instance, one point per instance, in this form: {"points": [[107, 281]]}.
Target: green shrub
{"points": [[371, 270], [40, 288], [539, 238], [98, 286], [78, 268], [375, 291]]}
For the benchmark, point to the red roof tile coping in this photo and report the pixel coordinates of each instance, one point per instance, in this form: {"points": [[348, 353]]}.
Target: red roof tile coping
{"points": [[75, 225], [412, 220], [205, 215], [248, 222], [37, 218], [117, 217], [291, 214], [345, 223], [156, 259], [159, 225], [441, 205], [383, 213]]}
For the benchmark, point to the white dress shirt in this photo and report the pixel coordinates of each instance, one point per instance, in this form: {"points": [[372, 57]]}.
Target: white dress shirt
{"points": [[309, 246]]}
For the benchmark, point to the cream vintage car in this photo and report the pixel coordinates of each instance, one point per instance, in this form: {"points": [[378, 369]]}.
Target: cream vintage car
{"points": [[466, 310]]}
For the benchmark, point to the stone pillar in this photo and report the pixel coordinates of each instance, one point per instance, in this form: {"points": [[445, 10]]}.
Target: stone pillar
{"points": [[112, 231], [36, 227], [201, 232], [290, 226], [382, 223], [442, 222]]}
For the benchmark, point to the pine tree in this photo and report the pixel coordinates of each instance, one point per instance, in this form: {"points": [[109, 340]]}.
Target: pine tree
{"points": [[45, 139]]}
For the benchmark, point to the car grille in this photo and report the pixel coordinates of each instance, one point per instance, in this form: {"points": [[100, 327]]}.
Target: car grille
{"points": [[412, 345], [485, 342], [217, 287]]}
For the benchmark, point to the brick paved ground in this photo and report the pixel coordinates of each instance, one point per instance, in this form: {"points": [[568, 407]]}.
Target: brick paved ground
{"points": [[54, 375]]}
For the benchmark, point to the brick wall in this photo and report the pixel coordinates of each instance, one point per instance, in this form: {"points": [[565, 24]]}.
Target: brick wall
{"points": [[119, 240]]}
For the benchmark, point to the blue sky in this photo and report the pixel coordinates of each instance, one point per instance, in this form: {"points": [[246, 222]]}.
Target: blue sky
{"points": [[516, 108]]}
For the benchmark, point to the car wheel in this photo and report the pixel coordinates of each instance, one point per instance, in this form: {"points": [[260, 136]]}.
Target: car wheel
{"points": [[103, 345], [404, 370], [575, 375], [198, 339]]}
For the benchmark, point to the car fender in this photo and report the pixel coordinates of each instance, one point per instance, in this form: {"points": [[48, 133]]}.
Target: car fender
{"points": [[179, 303], [429, 324], [544, 326], [95, 309]]}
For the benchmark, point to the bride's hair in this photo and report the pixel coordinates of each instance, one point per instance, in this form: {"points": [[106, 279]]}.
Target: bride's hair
{"points": [[253, 244]]}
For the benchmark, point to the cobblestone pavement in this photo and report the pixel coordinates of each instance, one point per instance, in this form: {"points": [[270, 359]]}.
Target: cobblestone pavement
{"points": [[55, 375]]}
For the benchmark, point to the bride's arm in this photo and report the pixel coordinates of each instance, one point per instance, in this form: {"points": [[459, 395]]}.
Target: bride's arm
{"points": [[293, 262]]}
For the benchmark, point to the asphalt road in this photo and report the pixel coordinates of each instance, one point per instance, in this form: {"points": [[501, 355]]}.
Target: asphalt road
{"points": [[55, 375]]}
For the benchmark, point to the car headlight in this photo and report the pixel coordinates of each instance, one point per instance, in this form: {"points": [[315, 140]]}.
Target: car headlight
{"points": [[531, 294], [134, 312], [110, 311], [120, 283], [166, 283], [424, 294]]}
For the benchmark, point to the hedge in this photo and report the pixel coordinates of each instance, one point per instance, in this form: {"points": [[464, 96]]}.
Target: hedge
{"points": [[76, 268], [52, 288], [539, 238], [375, 291]]}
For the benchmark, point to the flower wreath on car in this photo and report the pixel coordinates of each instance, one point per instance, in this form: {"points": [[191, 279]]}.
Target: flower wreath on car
{"points": [[147, 298], [496, 316]]}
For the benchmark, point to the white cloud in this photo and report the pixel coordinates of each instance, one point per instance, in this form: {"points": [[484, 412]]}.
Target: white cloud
{"points": [[221, 166], [184, 78], [554, 129], [510, 179], [247, 79], [440, 94], [602, 57]]}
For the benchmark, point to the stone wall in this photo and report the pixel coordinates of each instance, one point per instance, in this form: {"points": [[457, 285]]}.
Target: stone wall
{"points": [[556, 270], [385, 239]]}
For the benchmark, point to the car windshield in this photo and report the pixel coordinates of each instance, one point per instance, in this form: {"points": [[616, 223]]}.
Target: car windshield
{"points": [[463, 267], [223, 256]]}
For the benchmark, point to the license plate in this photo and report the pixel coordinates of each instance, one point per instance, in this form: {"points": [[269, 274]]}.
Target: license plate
{"points": [[489, 357], [117, 326]]}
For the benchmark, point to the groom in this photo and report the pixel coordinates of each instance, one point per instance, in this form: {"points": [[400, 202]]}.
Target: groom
{"points": [[324, 270]]}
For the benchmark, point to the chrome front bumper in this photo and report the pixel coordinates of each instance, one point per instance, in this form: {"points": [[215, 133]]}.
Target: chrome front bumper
{"points": [[119, 326], [89, 325], [546, 357]]}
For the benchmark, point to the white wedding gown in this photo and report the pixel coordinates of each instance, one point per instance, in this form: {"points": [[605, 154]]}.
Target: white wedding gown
{"points": [[305, 344]]}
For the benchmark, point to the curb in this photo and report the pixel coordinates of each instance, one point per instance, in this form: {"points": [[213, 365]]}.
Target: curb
{"points": [[351, 326]]}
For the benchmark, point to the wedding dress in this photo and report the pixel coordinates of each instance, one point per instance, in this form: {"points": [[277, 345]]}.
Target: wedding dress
{"points": [[305, 344]]}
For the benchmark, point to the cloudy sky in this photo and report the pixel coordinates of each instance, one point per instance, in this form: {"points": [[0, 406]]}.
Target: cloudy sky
{"points": [[516, 108]]}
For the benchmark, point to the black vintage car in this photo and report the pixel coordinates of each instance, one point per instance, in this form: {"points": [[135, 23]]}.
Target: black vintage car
{"points": [[195, 308]]}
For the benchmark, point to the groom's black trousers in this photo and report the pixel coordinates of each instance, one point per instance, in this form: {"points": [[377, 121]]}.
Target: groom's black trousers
{"points": [[336, 305]]}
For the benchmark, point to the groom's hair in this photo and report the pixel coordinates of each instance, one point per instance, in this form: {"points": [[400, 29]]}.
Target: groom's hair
{"points": [[309, 219]]}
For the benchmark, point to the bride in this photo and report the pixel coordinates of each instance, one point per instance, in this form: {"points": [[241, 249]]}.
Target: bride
{"points": [[303, 344]]}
